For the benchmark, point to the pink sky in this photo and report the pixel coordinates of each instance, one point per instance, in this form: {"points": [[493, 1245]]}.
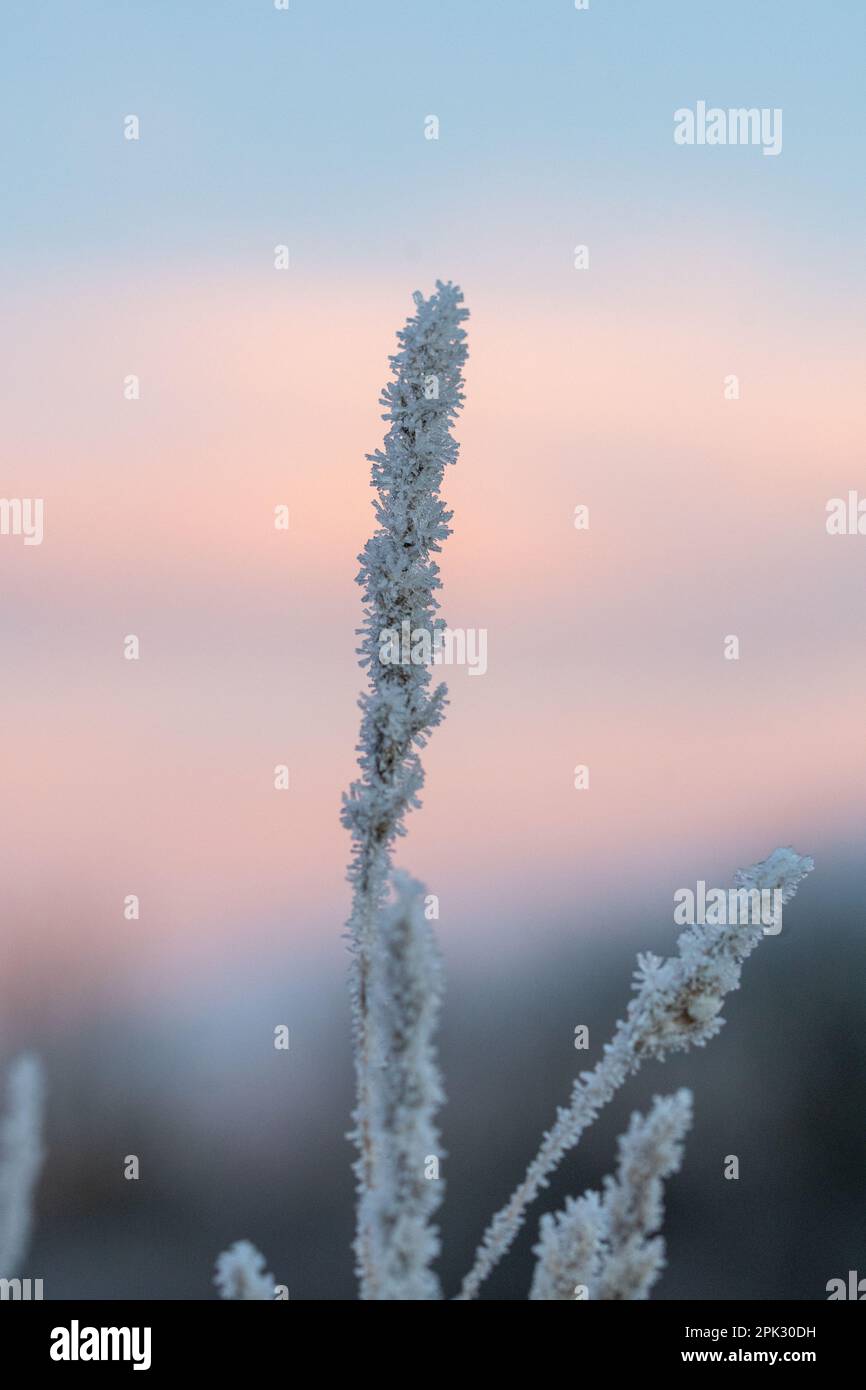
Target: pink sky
{"points": [[707, 518]]}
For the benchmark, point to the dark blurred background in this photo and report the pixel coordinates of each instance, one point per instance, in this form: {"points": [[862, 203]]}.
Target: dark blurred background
{"points": [[237, 1140]]}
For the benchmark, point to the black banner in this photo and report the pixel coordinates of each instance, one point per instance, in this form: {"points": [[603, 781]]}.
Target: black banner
{"points": [[152, 1338]]}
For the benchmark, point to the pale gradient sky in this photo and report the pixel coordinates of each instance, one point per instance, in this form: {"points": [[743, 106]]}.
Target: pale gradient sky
{"points": [[603, 387]]}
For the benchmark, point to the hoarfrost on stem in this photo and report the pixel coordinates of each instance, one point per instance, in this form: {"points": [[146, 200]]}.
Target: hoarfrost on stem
{"points": [[604, 1242], [607, 1248], [650, 1151], [676, 1006], [398, 710], [569, 1251], [405, 998], [240, 1274]]}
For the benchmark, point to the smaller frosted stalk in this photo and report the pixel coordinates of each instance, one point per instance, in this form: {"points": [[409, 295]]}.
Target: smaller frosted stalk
{"points": [[650, 1151], [569, 1251], [240, 1274], [609, 1248], [676, 1005], [21, 1157], [405, 999]]}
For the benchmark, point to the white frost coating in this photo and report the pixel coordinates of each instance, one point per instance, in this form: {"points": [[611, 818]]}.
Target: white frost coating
{"points": [[405, 998], [240, 1274], [676, 1005], [21, 1156], [606, 1248], [650, 1151], [400, 579], [569, 1251]]}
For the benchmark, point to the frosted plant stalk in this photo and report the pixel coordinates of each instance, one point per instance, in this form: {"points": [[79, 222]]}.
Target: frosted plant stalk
{"points": [[650, 1151], [569, 1250], [608, 1248], [21, 1157], [398, 710], [676, 1005], [405, 999], [240, 1274]]}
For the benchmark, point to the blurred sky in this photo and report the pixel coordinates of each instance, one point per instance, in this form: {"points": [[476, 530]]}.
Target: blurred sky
{"points": [[260, 387]]}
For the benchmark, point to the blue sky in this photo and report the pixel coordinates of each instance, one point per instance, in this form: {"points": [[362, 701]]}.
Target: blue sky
{"points": [[306, 126]]}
